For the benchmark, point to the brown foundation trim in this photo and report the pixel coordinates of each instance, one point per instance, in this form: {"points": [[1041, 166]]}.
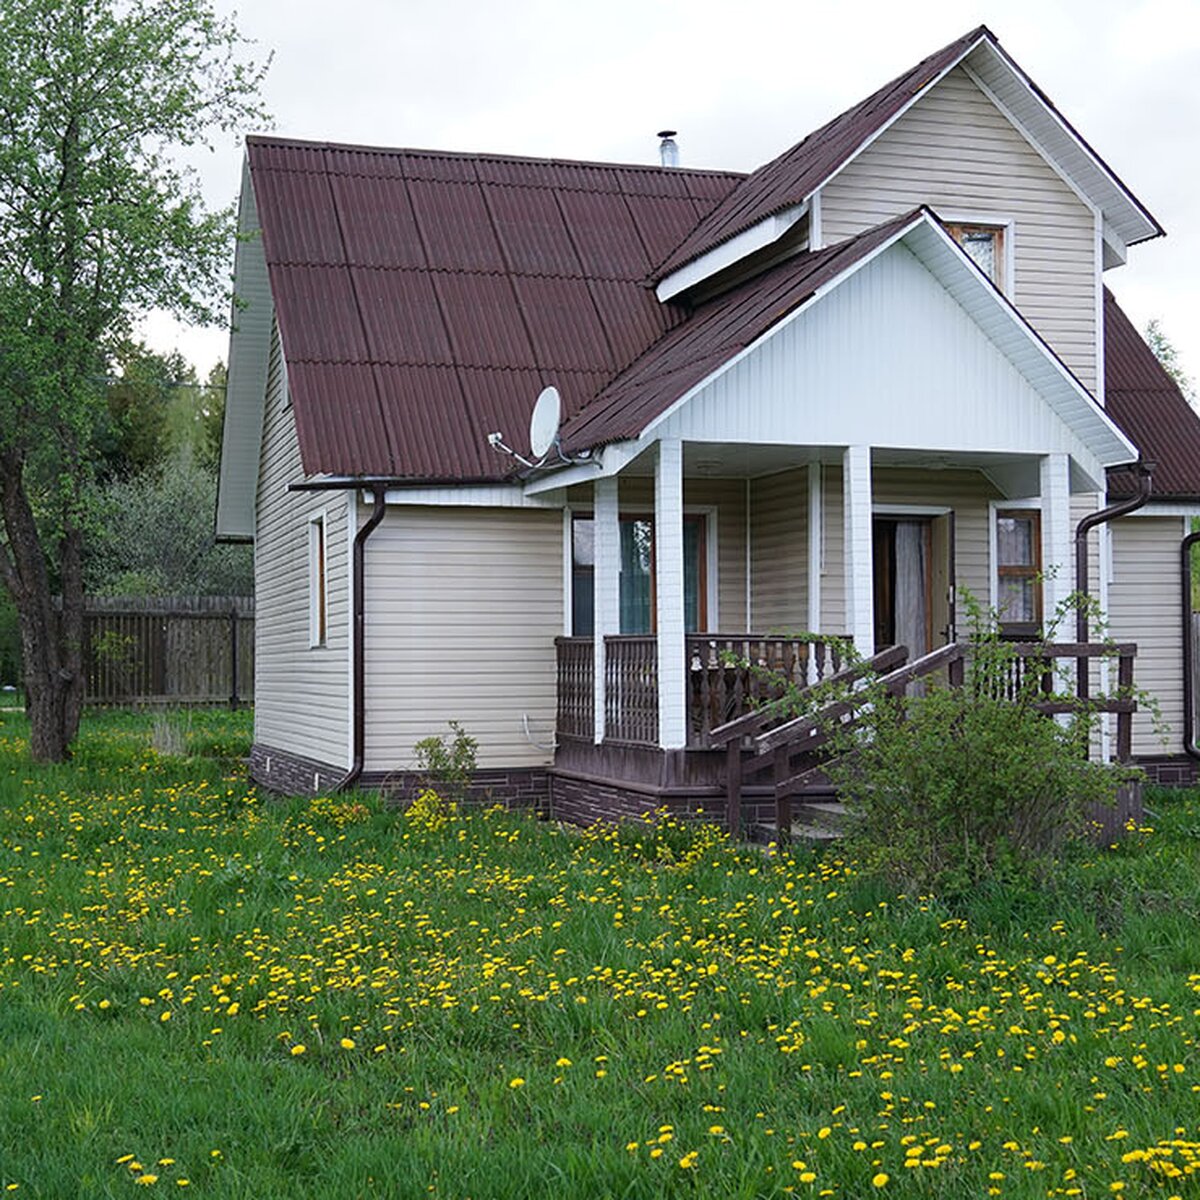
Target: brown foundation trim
{"points": [[1169, 770], [514, 787], [289, 774]]}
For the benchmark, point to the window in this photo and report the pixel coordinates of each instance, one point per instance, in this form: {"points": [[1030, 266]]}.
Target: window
{"points": [[984, 245], [637, 574], [1018, 567], [317, 584]]}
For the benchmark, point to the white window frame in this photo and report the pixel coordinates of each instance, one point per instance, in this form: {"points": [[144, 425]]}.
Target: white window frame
{"points": [[995, 507], [318, 580]]}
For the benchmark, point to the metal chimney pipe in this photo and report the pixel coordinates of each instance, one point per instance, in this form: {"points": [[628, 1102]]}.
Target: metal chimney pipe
{"points": [[668, 150]]}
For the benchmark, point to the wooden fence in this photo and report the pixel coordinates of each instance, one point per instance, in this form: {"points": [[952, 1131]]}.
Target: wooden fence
{"points": [[170, 650]]}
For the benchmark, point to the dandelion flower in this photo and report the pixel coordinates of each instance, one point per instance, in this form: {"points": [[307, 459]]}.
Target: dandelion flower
{"points": [[880, 1180], [146, 1180], [516, 1083], [298, 1049], [347, 1043]]}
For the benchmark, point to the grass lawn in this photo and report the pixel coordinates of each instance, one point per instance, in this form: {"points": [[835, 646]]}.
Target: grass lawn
{"points": [[290, 999]]}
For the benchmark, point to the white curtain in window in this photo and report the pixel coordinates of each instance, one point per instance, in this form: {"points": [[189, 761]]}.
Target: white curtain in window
{"points": [[912, 600]]}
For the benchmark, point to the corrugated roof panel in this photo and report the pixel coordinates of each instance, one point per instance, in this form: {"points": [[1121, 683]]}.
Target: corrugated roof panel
{"points": [[658, 220], [306, 299], [298, 221], [563, 325], [454, 226], [438, 166], [503, 401], [377, 221], [484, 322], [532, 232], [401, 316], [632, 316], [415, 401], [269, 154], [338, 418], [1143, 399], [604, 235], [363, 162]]}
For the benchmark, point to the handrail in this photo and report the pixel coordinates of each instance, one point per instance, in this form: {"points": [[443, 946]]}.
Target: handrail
{"points": [[750, 722]]}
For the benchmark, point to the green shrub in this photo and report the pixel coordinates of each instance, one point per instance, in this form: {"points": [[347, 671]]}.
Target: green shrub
{"points": [[448, 768], [961, 785]]}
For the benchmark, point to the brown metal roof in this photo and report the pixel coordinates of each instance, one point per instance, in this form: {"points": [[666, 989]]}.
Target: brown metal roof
{"points": [[1149, 407], [790, 178], [424, 299], [716, 331]]}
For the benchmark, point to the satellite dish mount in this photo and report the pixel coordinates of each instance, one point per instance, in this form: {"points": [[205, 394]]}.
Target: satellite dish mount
{"points": [[544, 424]]}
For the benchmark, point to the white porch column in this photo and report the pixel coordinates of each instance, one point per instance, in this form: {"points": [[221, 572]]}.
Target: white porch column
{"points": [[606, 580], [668, 559], [857, 551], [1056, 537]]}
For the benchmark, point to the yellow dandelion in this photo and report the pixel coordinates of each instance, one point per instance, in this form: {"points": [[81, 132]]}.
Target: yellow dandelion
{"points": [[146, 1180], [688, 1161], [347, 1043], [298, 1049], [563, 1062], [516, 1083], [880, 1180]]}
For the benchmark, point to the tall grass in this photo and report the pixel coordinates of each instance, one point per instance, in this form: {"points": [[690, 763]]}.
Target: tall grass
{"points": [[325, 998]]}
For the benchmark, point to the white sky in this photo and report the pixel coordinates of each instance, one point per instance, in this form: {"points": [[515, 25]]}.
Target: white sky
{"points": [[741, 82]]}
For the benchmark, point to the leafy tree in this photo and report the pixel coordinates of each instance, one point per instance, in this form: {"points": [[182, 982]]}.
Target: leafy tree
{"points": [[154, 537], [1164, 350], [139, 435], [98, 223]]}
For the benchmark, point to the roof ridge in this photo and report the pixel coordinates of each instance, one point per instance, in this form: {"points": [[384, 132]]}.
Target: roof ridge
{"points": [[262, 139]]}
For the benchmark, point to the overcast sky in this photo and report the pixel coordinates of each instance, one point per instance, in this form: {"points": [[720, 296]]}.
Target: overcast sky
{"points": [[741, 82]]}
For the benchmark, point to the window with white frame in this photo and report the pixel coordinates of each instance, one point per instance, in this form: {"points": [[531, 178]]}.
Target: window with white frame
{"points": [[318, 603]]}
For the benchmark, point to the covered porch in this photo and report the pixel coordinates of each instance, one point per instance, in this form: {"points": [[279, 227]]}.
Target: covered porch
{"points": [[808, 549]]}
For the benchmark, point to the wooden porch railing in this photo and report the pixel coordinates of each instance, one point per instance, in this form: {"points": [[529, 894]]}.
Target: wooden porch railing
{"points": [[796, 750], [576, 688], [731, 674], [631, 689]]}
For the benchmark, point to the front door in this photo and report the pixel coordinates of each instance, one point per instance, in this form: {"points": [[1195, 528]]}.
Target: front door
{"points": [[914, 582]]}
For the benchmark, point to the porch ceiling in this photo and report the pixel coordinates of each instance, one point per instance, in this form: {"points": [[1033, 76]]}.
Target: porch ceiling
{"points": [[1015, 476]]}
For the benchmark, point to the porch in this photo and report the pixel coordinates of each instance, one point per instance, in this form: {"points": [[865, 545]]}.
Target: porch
{"points": [[748, 761]]}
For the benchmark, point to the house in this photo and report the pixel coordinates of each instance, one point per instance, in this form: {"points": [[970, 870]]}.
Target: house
{"points": [[821, 398]]}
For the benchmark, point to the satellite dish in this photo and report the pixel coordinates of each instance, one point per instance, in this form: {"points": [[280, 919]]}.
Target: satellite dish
{"points": [[543, 424]]}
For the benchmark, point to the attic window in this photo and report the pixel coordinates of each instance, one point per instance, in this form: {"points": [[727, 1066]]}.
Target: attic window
{"points": [[984, 245]]}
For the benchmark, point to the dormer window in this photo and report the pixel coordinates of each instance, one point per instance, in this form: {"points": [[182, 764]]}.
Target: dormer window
{"points": [[984, 245]]}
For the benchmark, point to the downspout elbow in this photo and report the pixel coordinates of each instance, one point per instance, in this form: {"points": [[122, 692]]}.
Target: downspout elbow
{"points": [[1145, 480]]}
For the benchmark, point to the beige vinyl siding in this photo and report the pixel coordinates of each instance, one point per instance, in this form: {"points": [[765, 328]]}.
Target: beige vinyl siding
{"points": [[779, 552], [955, 151], [1144, 607], [301, 691], [833, 561], [463, 606], [968, 494]]}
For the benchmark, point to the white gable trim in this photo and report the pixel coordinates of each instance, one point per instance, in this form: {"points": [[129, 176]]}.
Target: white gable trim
{"points": [[730, 252], [249, 355]]}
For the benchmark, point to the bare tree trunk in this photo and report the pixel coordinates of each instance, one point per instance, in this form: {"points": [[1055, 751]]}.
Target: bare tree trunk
{"points": [[51, 642]]}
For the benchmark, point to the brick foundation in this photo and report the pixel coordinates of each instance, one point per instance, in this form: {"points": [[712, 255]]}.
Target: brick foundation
{"points": [[1170, 770], [514, 787], [289, 774]]}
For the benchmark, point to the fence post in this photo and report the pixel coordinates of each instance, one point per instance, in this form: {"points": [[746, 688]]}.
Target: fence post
{"points": [[233, 659]]}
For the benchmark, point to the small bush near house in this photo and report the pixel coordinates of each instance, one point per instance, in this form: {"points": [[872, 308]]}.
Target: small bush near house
{"points": [[957, 786], [448, 767]]}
